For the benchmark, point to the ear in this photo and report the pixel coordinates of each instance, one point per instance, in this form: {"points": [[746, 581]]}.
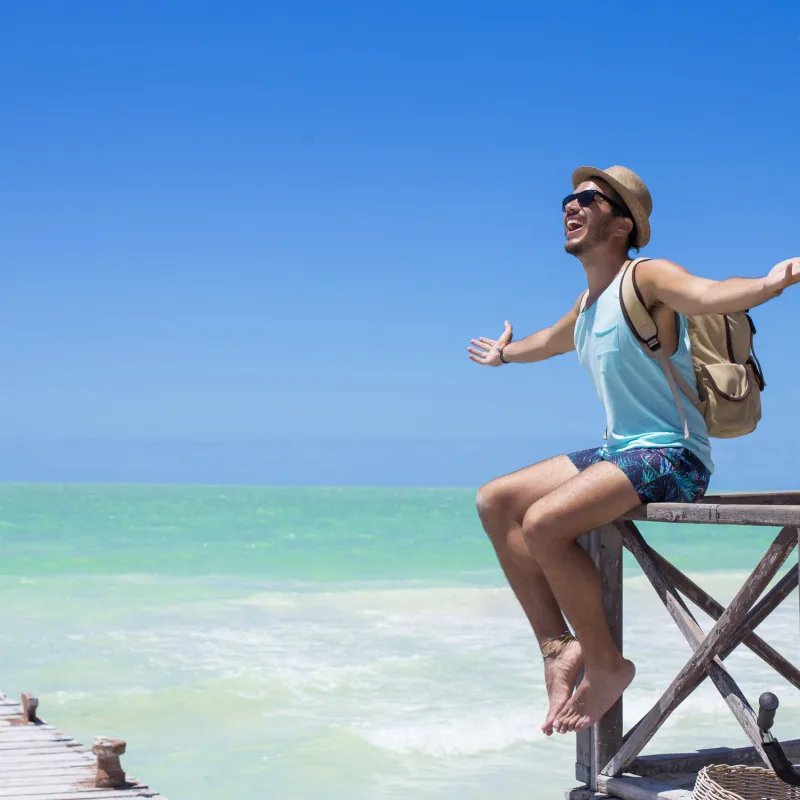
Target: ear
{"points": [[624, 227]]}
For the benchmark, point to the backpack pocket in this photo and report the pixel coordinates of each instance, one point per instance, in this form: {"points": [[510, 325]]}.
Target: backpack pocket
{"points": [[732, 399]]}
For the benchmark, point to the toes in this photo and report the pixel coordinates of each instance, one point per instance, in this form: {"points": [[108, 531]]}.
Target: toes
{"points": [[582, 724], [567, 722]]}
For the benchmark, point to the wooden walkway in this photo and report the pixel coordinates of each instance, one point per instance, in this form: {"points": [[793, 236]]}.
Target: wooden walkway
{"points": [[38, 762]]}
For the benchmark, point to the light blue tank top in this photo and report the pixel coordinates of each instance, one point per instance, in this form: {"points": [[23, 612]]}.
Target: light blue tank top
{"points": [[640, 408]]}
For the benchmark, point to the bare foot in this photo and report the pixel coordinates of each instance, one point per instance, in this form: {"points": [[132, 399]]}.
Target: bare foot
{"points": [[560, 675], [599, 690]]}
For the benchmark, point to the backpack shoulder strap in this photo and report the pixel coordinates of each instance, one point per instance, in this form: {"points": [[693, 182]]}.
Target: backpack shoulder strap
{"points": [[644, 329], [634, 310]]}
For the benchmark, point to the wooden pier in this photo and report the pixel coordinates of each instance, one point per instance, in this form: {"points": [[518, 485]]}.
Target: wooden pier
{"points": [[608, 761], [38, 762]]}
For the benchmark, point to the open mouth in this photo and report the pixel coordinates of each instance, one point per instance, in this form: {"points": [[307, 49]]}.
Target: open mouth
{"points": [[573, 226]]}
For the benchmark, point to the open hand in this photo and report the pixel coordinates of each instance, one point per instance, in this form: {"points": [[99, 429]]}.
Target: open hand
{"points": [[487, 351], [783, 275]]}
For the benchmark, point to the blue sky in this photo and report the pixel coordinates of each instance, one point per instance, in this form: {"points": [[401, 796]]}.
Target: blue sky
{"points": [[249, 241]]}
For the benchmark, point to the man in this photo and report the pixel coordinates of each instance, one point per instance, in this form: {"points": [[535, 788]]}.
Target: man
{"points": [[535, 516]]}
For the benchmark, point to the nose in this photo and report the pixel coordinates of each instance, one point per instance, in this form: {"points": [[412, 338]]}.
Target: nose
{"points": [[573, 207]]}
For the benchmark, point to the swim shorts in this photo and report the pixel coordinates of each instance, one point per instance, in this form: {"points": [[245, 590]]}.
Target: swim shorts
{"points": [[659, 475]]}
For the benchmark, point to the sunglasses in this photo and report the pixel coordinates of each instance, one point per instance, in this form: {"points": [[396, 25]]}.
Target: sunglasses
{"points": [[587, 197]]}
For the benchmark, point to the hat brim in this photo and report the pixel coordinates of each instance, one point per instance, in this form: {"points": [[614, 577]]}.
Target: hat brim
{"points": [[583, 174]]}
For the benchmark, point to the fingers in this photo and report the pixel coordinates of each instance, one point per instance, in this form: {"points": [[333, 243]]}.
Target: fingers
{"points": [[791, 274], [482, 346], [479, 353]]}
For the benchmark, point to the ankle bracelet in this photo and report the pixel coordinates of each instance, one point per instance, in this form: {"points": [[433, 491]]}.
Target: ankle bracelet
{"points": [[553, 646]]}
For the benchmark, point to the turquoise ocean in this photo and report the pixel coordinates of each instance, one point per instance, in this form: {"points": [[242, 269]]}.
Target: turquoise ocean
{"points": [[325, 643]]}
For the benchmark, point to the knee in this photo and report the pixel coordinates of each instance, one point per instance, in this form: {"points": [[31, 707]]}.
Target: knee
{"points": [[491, 502], [539, 530]]}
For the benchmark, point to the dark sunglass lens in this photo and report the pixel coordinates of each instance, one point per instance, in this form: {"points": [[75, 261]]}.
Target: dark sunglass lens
{"points": [[584, 198]]}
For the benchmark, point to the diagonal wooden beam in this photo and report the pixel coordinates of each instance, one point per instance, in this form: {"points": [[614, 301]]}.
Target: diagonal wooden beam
{"points": [[758, 614], [707, 603], [718, 637], [666, 589], [766, 606]]}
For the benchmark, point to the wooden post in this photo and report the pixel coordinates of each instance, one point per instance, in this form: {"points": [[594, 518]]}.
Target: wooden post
{"points": [[110, 774], [596, 746], [30, 704]]}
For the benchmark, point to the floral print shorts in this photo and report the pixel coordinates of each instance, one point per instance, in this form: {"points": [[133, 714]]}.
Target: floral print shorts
{"points": [[659, 475]]}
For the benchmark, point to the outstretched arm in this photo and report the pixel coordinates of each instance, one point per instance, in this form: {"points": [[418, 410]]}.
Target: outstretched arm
{"points": [[546, 343], [662, 281]]}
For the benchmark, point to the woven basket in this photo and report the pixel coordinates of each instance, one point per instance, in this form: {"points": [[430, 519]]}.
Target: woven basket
{"points": [[721, 782]]}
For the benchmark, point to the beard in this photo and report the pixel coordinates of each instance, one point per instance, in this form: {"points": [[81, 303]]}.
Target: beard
{"points": [[598, 236]]}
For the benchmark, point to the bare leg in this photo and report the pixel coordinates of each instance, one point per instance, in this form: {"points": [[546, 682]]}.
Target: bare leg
{"points": [[502, 505], [597, 496]]}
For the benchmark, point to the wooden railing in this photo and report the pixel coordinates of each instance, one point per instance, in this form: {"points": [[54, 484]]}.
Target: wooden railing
{"points": [[608, 760]]}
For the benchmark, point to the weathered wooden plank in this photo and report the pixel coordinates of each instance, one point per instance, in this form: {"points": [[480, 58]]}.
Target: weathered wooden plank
{"points": [[35, 746], [716, 514], [662, 766], [26, 736], [35, 759], [42, 744], [634, 787], [6, 725], [30, 778], [791, 498], [717, 638], [584, 793], [53, 769], [81, 789], [692, 632], [76, 790], [78, 794], [14, 731], [583, 756], [710, 606]]}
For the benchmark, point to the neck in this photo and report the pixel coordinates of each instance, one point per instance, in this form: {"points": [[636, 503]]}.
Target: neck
{"points": [[601, 267]]}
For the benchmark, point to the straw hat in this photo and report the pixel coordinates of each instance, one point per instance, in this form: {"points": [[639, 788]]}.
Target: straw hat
{"points": [[630, 187]]}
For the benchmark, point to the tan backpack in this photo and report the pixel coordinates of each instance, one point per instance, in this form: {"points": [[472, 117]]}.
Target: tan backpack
{"points": [[729, 377]]}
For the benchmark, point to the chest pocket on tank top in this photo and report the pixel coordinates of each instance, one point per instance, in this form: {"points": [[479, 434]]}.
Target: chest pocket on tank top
{"points": [[606, 342]]}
